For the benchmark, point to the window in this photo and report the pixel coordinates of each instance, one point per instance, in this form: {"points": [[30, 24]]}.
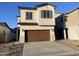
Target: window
{"points": [[61, 19], [28, 15], [46, 14]]}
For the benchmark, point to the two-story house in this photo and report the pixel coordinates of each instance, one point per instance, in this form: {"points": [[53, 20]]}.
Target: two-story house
{"points": [[67, 25], [61, 30], [73, 24], [42, 23], [36, 23]]}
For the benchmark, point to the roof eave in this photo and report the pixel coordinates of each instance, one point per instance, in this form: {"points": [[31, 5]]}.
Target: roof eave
{"points": [[29, 8], [73, 10]]}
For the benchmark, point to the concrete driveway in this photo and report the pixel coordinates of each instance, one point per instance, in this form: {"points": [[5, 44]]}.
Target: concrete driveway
{"points": [[48, 48]]}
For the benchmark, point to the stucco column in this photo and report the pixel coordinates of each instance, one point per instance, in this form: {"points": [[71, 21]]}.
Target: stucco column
{"points": [[64, 34], [52, 35], [22, 36]]}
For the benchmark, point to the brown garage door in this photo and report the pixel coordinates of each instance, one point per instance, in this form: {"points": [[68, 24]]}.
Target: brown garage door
{"points": [[37, 35]]}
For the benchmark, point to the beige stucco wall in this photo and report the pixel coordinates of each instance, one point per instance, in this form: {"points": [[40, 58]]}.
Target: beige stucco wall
{"points": [[23, 16], [37, 16], [52, 35], [36, 27], [73, 18], [48, 21], [73, 25], [73, 33], [22, 36], [57, 14]]}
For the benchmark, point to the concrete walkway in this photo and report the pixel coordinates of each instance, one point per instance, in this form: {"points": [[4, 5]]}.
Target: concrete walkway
{"points": [[48, 49]]}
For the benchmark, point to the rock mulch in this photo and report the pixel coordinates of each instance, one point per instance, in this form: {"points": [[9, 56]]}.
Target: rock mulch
{"points": [[11, 49]]}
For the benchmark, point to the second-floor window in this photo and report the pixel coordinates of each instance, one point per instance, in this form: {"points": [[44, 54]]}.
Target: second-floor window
{"points": [[46, 14], [62, 19], [29, 15]]}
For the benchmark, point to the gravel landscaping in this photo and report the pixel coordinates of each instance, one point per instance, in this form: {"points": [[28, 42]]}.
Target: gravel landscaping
{"points": [[11, 49]]}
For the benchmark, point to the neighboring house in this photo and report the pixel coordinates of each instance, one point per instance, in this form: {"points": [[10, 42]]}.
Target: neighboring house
{"points": [[61, 30], [67, 25], [73, 24], [36, 24], [14, 32], [42, 23], [6, 34]]}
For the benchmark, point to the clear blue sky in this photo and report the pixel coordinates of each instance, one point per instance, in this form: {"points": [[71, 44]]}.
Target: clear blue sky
{"points": [[9, 10]]}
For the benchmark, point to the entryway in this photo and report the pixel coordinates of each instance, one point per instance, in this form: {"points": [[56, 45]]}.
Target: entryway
{"points": [[59, 34]]}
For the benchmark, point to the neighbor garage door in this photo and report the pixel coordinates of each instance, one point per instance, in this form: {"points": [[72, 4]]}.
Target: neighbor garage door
{"points": [[37, 35]]}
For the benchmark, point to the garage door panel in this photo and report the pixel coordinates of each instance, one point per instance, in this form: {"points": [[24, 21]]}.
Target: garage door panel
{"points": [[38, 35]]}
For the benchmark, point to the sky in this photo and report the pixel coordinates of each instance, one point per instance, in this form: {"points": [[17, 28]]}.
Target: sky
{"points": [[9, 10]]}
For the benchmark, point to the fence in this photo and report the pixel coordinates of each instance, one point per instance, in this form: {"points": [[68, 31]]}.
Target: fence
{"points": [[6, 37]]}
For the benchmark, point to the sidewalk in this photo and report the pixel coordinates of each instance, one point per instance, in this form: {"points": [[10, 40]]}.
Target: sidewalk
{"points": [[69, 53]]}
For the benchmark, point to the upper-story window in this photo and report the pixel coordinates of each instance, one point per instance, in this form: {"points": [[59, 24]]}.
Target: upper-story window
{"points": [[46, 14], [29, 15], [62, 19]]}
